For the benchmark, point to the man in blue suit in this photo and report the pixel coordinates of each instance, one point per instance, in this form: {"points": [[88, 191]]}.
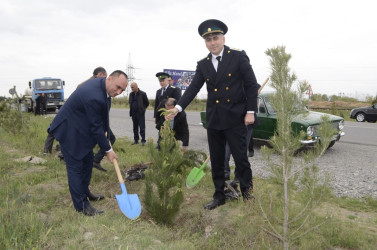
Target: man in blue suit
{"points": [[81, 124]]}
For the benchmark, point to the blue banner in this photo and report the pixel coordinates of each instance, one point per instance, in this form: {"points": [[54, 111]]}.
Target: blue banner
{"points": [[181, 78]]}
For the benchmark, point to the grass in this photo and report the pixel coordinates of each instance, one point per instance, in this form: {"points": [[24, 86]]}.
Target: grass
{"points": [[36, 210]]}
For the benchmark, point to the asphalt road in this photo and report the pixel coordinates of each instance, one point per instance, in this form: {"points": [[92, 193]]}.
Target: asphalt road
{"points": [[355, 132], [351, 163]]}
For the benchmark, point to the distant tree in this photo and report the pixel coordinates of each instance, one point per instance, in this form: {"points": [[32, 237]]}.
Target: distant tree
{"points": [[334, 98], [374, 100], [296, 188], [325, 98], [316, 97]]}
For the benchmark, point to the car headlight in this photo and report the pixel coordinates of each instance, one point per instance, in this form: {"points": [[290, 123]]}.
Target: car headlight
{"points": [[341, 125], [309, 131]]}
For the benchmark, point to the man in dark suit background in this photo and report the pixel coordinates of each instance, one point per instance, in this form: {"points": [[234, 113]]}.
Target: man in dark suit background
{"points": [[81, 124], [231, 104], [139, 102]]}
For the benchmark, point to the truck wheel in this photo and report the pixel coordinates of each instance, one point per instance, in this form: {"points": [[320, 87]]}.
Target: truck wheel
{"points": [[331, 144]]}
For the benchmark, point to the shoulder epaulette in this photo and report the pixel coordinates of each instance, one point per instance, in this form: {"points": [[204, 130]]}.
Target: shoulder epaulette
{"points": [[236, 49]]}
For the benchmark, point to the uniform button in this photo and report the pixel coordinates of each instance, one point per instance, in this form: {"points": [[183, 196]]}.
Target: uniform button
{"points": [[207, 80], [217, 101], [227, 88], [230, 74], [215, 90], [228, 100], [207, 58]]}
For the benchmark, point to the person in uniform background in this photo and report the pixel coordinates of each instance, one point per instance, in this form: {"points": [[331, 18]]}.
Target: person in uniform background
{"points": [[231, 104], [139, 102], [178, 124], [166, 91], [80, 124]]}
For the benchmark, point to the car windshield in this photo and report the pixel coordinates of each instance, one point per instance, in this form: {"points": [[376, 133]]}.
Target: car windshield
{"points": [[52, 84], [266, 105]]}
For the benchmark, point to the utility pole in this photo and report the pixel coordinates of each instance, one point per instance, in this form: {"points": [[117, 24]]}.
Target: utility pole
{"points": [[130, 73]]}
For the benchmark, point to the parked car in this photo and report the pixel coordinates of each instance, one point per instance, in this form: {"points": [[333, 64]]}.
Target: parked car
{"points": [[363, 114], [308, 123]]}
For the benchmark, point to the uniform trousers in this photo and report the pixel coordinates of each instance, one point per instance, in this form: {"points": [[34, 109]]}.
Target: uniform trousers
{"points": [[236, 137]]}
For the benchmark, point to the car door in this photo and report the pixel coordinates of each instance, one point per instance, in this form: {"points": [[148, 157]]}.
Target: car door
{"points": [[267, 120], [372, 113]]}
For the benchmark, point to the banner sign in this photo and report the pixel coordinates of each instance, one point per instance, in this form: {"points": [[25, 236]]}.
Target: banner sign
{"points": [[181, 78]]}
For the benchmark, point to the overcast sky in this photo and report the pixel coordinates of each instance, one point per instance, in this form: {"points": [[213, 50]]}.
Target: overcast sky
{"points": [[333, 43]]}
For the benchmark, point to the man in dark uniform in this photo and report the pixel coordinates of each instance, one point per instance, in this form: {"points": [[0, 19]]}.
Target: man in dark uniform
{"points": [[166, 91], [231, 104]]}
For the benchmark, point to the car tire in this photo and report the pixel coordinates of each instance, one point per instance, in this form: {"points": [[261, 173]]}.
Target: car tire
{"points": [[360, 117]]}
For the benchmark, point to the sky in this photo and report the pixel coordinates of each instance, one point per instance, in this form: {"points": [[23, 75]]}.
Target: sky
{"points": [[333, 43]]}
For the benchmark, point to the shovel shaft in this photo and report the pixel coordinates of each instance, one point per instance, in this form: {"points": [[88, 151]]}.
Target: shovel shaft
{"points": [[120, 178], [264, 84]]}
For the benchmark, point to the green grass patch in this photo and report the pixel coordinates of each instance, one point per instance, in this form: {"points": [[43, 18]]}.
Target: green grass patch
{"points": [[36, 210]]}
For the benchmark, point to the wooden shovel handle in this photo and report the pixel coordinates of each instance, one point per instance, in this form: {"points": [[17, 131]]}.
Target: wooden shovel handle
{"points": [[261, 87], [120, 178], [207, 160]]}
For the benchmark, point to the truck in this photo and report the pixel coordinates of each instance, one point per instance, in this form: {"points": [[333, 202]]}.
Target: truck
{"points": [[53, 88]]}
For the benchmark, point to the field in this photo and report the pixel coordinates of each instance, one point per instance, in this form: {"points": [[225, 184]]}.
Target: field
{"points": [[37, 213]]}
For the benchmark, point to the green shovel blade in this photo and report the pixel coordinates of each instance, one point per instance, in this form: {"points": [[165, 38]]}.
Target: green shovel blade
{"points": [[195, 176]]}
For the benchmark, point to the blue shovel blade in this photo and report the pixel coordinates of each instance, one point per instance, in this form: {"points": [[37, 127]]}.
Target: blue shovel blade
{"points": [[129, 204]]}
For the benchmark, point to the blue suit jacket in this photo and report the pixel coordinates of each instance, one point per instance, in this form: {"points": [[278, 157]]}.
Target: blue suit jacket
{"points": [[82, 121]]}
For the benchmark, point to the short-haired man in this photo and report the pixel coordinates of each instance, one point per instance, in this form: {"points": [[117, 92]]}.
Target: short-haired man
{"points": [[139, 102], [231, 104], [81, 123]]}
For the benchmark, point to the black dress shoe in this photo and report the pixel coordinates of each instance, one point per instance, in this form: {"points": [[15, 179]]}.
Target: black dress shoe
{"points": [[251, 153], [90, 211], [98, 166], [93, 197], [135, 142], [214, 204]]}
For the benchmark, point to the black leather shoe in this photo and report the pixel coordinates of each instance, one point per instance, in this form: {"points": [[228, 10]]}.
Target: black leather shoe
{"points": [[90, 211], [214, 204], [251, 153], [93, 197], [135, 142], [98, 166]]}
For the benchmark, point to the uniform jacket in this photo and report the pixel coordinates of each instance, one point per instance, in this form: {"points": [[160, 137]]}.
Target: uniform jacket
{"points": [[142, 101], [82, 121], [232, 90], [171, 92]]}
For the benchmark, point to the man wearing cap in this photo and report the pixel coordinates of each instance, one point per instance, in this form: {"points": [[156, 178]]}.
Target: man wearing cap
{"points": [[166, 91], [231, 104]]}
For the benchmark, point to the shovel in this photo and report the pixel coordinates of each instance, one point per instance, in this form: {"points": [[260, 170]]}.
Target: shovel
{"points": [[196, 175], [129, 204]]}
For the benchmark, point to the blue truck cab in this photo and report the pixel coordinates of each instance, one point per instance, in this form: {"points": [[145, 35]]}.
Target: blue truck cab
{"points": [[53, 88]]}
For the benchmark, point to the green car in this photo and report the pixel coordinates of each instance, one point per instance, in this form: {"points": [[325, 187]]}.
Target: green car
{"points": [[308, 123]]}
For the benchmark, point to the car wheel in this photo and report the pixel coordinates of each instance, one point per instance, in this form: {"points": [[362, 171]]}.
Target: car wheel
{"points": [[331, 144], [360, 117]]}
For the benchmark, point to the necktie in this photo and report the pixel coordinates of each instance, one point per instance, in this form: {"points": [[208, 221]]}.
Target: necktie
{"points": [[162, 91], [219, 60]]}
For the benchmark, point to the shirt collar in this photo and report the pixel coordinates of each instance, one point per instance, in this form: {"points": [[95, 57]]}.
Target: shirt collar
{"points": [[221, 54]]}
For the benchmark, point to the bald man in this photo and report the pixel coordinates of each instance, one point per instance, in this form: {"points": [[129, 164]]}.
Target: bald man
{"points": [[139, 102]]}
